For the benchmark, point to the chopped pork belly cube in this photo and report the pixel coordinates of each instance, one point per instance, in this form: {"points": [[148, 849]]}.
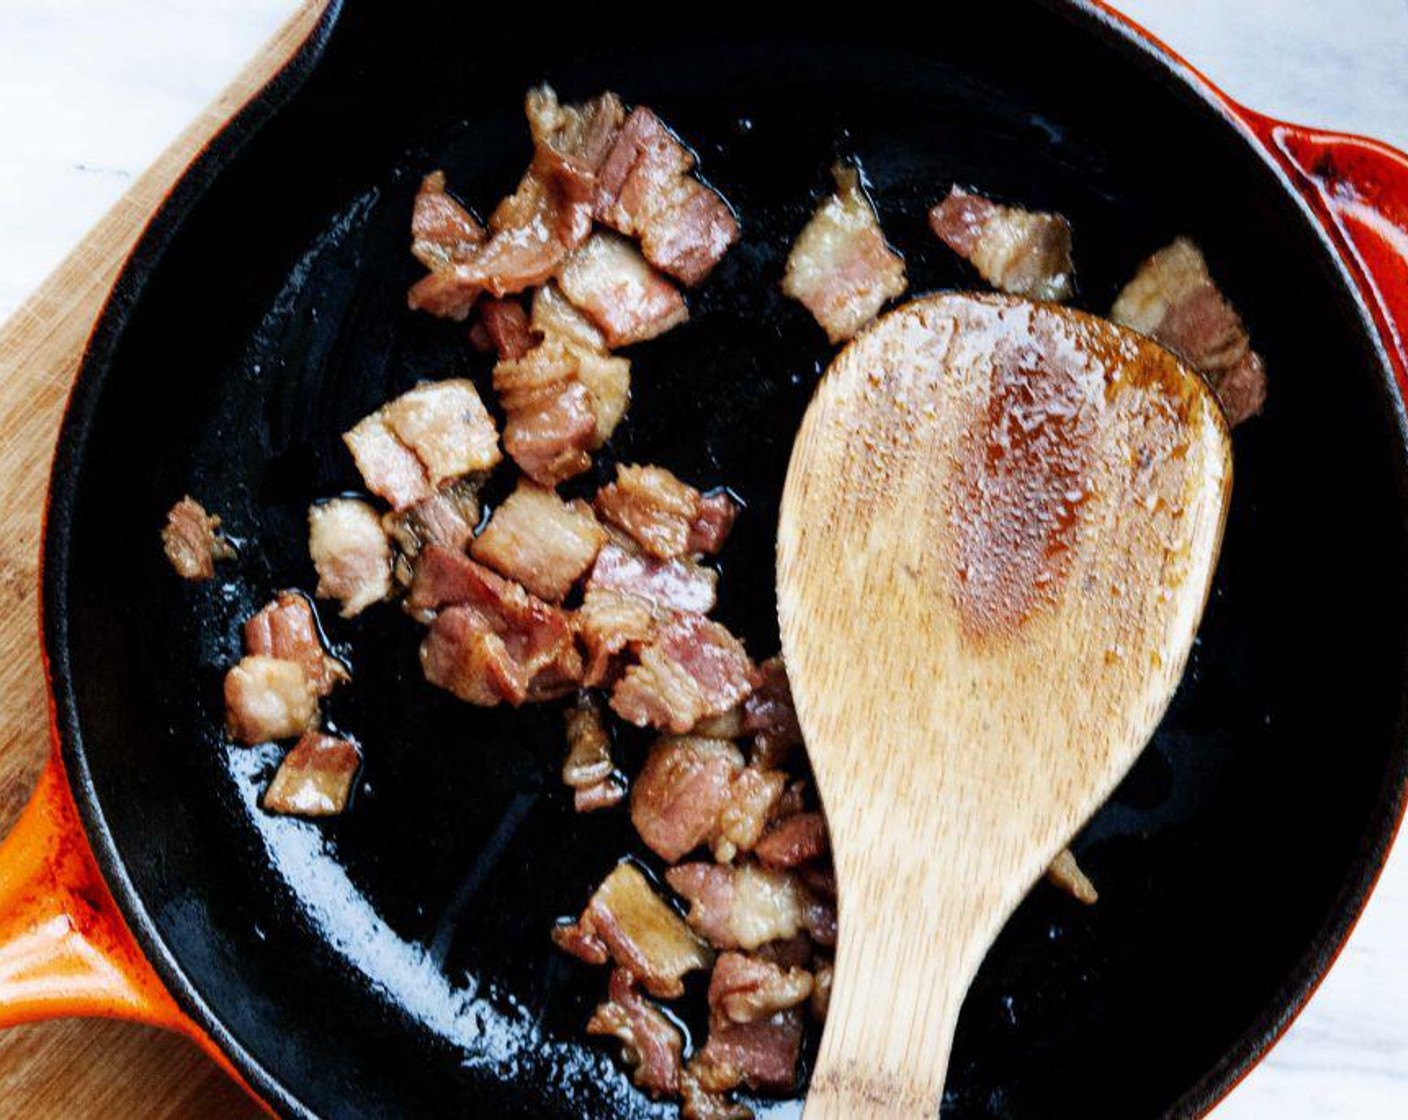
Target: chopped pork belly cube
{"points": [[681, 792], [315, 777], [389, 468], [447, 518], [541, 541], [447, 427], [1017, 251], [744, 989], [350, 553], [192, 541], [693, 668], [840, 268], [1173, 300], [651, 1044], [491, 640], [794, 840], [550, 437], [645, 190], [574, 140], [553, 316], [752, 799], [678, 584], [287, 628], [762, 1054], [443, 233], [741, 907], [665, 516], [267, 698], [768, 715], [608, 280], [1066, 874], [608, 623], [506, 324], [589, 770], [628, 922]]}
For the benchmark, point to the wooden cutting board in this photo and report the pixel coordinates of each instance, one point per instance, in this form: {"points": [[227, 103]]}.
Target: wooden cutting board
{"points": [[81, 1069]]}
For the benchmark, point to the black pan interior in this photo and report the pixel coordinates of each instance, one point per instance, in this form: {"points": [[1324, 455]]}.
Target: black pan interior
{"points": [[396, 961]]}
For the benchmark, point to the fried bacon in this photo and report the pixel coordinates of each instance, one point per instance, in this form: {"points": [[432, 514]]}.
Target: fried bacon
{"points": [[744, 989], [1174, 300], [607, 378], [608, 623], [268, 698], [315, 777], [588, 770], [794, 840], [287, 628], [678, 584], [541, 541], [1017, 251], [752, 799], [741, 907], [632, 925], [762, 1054], [645, 190], [447, 518], [192, 540], [608, 280], [350, 552], [692, 668], [443, 233], [651, 1044], [769, 716], [840, 268], [574, 140], [437, 431], [507, 328], [665, 516], [491, 641], [1067, 875], [681, 792]]}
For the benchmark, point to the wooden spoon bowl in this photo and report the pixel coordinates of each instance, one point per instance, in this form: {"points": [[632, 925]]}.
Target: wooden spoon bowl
{"points": [[998, 531]]}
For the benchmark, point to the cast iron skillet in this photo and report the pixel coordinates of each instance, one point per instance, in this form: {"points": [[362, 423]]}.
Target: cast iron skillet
{"points": [[396, 961]]}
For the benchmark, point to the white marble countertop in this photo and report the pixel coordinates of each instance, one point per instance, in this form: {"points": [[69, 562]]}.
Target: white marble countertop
{"points": [[92, 90]]}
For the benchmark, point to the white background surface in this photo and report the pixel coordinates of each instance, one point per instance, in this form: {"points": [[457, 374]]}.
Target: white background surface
{"points": [[92, 90]]}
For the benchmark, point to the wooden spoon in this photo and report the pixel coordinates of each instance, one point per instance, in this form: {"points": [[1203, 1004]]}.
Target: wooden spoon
{"points": [[999, 527]]}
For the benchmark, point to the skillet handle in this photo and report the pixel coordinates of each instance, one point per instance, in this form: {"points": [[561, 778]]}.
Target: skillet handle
{"points": [[1358, 188], [64, 948]]}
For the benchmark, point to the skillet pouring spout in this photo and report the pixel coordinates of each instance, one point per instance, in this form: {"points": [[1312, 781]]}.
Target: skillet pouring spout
{"points": [[998, 532]]}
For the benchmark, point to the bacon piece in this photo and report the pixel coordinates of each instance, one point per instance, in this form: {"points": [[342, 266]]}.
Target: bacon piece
{"points": [[651, 1044], [762, 1055], [507, 327], [629, 922], [680, 793], [287, 628], [447, 427], [1018, 251], [1066, 874], [608, 280], [820, 1002], [752, 798], [588, 769], [389, 468], [645, 190], [574, 140], [1174, 300], [268, 698], [443, 233], [678, 584], [665, 516], [713, 522], [350, 553], [744, 989], [541, 541], [315, 777], [699, 1103], [693, 668], [741, 907], [447, 518], [609, 622], [794, 840], [561, 401], [769, 715], [192, 540], [493, 641], [840, 268]]}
